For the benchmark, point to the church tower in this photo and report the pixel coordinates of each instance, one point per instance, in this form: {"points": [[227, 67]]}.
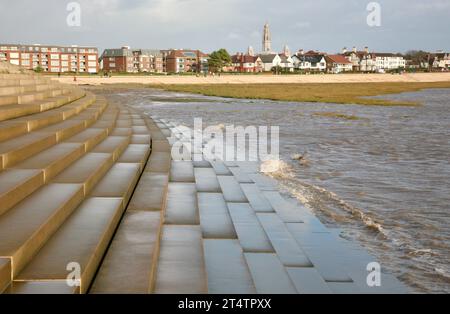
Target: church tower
{"points": [[250, 51], [267, 40]]}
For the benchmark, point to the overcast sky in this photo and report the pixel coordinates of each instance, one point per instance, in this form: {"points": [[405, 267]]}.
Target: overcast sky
{"points": [[326, 25]]}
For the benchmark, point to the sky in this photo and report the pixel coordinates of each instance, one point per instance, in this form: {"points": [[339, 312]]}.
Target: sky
{"points": [[325, 25]]}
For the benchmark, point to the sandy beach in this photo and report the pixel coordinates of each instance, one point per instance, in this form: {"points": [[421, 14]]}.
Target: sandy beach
{"points": [[259, 79]]}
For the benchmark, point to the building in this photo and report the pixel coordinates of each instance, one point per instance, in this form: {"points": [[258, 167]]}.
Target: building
{"points": [[338, 64], [362, 61], [246, 63], [309, 62], [267, 40], [440, 60], [389, 61], [287, 63], [184, 61], [127, 60], [270, 61], [54, 59]]}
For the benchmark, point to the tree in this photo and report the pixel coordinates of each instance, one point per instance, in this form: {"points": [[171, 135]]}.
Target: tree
{"points": [[218, 60]]}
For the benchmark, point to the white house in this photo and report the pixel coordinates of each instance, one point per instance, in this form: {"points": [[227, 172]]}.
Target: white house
{"points": [[269, 61], [309, 63], [363, 61], [287, 63], [389, 61], [338, 64]]}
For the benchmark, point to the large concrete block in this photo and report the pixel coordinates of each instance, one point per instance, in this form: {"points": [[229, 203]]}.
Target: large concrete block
{"points": [[41, 288], [182, 171], [42, 120], [26, 227], [82, 239], [53, 160], [227, 269], [88, 171], [159, 162], [252, 236], [288, 250], [65, 130], [122, 132], [308, 281], [161, 146], [12, 129], [141, 139], [16, 184], [206, 180], [181, 266], [220, 168], [257, 200], [15, 111], [150, 193], [215, 218], [231, 189], [241, 176], [285, 210], [269, 275], [182, 205], [131, 261], [120, 181]]}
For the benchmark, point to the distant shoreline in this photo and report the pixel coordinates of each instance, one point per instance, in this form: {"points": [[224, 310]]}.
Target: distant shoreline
{"points": [[259, 79]]}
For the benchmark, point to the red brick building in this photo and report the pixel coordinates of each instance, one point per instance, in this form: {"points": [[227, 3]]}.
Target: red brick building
{"points": [[246, 64], [127, 60], [183, 61], [54, 59]]}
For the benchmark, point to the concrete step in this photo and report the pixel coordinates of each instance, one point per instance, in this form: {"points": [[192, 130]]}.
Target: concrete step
{"points": [[269, 275], [87, 171], [215, 218], [161, 146], [15, 150], [119, 182], [89, 138], [130, 264], [29, 97], [82, 239], [151, 192], [5, 274], [159, 162], [122, 132], [206, 180], [220, 168], [231, 189], [181, 266], [141, 139], [287, 249], [241, 176], [114, 145], [256, 199], [17, 89], [12, 129], [182, 171], [136, 153], [308, 281], [65, 130], [227, 269], [252, 237], [182, 205], [17, 184], [26, 227], [53, 160], [40, 287]]}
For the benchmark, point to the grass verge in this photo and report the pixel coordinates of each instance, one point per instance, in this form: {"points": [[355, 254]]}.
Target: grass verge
{"points": [[338, 93]]}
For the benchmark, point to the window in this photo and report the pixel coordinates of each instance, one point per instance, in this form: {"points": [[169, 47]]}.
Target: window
{"points": [[54, 56], [54, 63], [92, 64], [92, 58], [14, 55], [25, 56], [65, 63], [64, 57], [25, 62]]}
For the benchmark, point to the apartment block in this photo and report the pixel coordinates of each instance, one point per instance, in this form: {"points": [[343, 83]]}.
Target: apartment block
{"points": [[54, 59], [184, 61], [127, 60]]}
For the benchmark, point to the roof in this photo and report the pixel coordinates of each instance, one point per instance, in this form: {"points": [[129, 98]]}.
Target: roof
{"points": [[238, 58], [268, 58], [338, 59], [310, 58], [187, 54], [108, 53]]}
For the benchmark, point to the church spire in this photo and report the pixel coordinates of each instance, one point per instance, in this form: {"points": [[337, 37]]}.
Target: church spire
{"points": [[267, 39]]}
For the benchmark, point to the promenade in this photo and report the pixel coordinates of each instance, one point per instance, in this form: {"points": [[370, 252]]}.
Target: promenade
{"points": [[89, 192]]}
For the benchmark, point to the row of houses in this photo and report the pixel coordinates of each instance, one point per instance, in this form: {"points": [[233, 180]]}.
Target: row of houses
{"points": [[77, 59]]}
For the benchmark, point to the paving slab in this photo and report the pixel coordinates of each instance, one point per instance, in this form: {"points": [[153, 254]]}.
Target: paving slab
{"points": [[251, 234], [286, 211], [269, 275], [181, 266], [215, 218], [288, 250], [308, 281], [231, 190], [256, 199], [220, 168], [150, 193], [263, 182], [159, 162], [41, 287], [182, 205], [130, 264], [206, 180], [182, 171], [227, 268], [141, 139], [90, 138], [114, 145], [136, 153]]}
